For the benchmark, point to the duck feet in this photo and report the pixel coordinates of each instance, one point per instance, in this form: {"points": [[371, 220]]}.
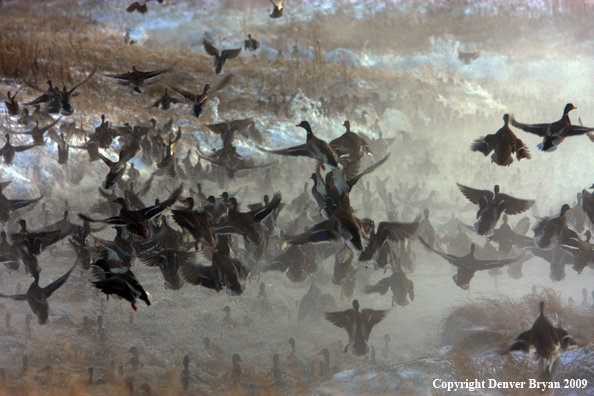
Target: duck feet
{"points": [[134, 307], [346, 348]]}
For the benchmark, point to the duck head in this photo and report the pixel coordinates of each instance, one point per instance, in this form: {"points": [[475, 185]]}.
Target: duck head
{"points": [[356, 305], [506, 118], [568, 108], [206, 88], [347, 125], [305, 125], [564, 210], [23, 224]]}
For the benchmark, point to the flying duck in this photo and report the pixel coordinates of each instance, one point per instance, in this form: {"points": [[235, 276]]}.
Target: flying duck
{"points": [[504, 143]]}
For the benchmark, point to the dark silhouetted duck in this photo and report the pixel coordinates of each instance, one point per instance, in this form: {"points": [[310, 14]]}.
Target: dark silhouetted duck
{"points": [[250, 44], [199, 101], [550, 231], [549, 342], [314, 148], [225, 272], [12, 105], [468, 265], [554, 134], [165, 101], [37, 296], [119, 281], [137, 79], [37, 133], [491, 205], [505, 143], [398, 282], [358, 326], [278, 9], [7, 206], [219, 58], [9, 151]]}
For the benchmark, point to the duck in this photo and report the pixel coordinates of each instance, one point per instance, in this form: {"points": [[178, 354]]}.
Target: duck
{"points": [[278, 9], [402, 288], [581, 250], [468, 265], [548, 341], [28, 245], [392, 231], [12, 104], [225, 272], [229, 130], [164, 102], [140, 7], [137, 79], [549, 232], [37, 297], [118, 169], [63, 147], [491, 205], [135, 220], [314, 148], [342, 224], [250, 44], [248, 224], [38, 133], [66, 108], [296, 265], [219, 58], [197, 222], [358, 326], [555, 133], [7, 206], [504, 143], [350, 144], [119, 281], [9, 151], [199, 101]]}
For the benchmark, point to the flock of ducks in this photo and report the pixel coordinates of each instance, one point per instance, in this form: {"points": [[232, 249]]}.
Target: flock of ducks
{"points": [[218, 223]]}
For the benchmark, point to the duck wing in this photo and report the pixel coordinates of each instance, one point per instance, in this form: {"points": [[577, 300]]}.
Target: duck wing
{"points": [[187, 95], [537, 129], [231, 53], [222, 84], [514, 206], [474, 195], [322, 232], [371, 317], [344, 319], [396, 231], [58, 283], [295, 151], [210, 49]]}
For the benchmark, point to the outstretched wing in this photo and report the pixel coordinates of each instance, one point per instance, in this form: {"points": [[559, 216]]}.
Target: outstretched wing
{"points": [[55, 285], [209, 48], [295, 151], [231, 53], [514, 206], [474, 195], [537, 129]]}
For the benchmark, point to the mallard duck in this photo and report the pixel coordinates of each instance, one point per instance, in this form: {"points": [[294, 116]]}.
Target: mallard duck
{"points": [[247, 224], [548, 340], [358, 326], [402, 287], [63, 147], [225, 272], [550, 231], [557, 259], [508, 238], [219, 58], [392, 231], [197, 222], [140, 7], [37, 133], [341, 224], [12, 105], [199, 101], [9, 151], [554, 134], [117, 169], [491, 205], [37, 296], [137, 79], [314, 148], [164, 101], [250, 44], [581, 250], [468, 265], [278, 9], [505, 143], [7, 206], [295, 264], [229, 130], [350, 144], [119, 281], [134, 221], [29, 245]]}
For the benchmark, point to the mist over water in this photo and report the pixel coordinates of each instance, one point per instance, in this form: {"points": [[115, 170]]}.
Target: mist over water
{"points": [[397, 60]]}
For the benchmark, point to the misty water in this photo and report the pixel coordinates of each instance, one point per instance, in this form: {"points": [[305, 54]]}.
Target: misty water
{"points": [[402, 62]]}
